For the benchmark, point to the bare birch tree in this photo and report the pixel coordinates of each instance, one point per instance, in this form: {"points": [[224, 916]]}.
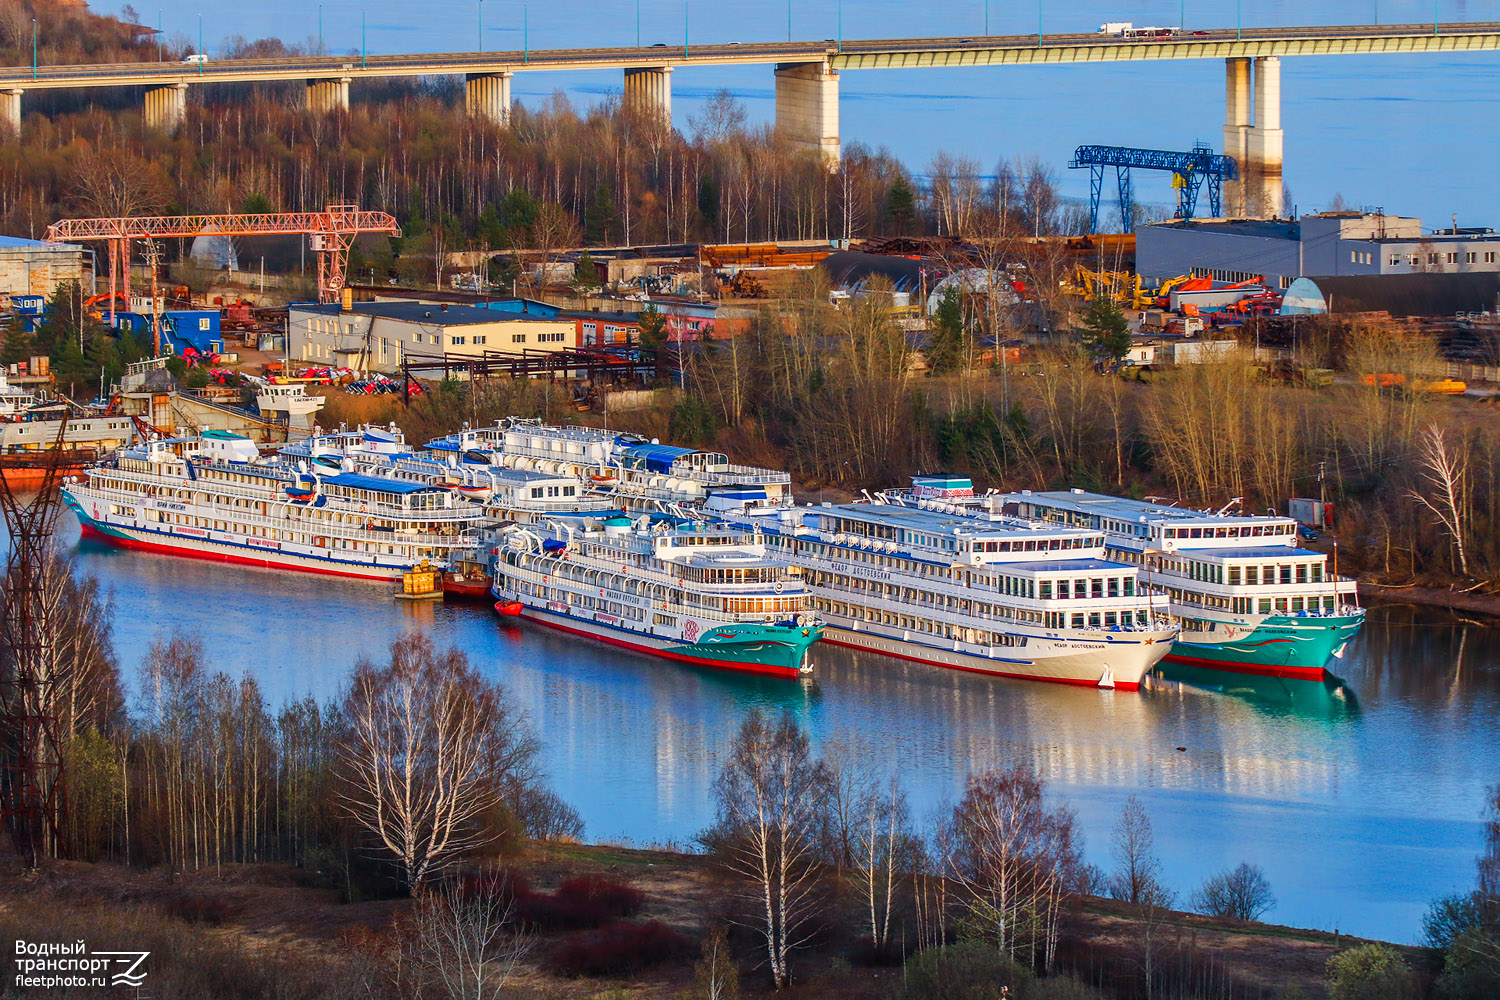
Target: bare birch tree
{"points": [[769, 795], [1015, 860], [466, 943], [884, 842], [430, 746], [1446, 470]]}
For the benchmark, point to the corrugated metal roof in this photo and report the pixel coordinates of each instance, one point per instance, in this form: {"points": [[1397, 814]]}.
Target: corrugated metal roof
{"points": [[1411, 294]]}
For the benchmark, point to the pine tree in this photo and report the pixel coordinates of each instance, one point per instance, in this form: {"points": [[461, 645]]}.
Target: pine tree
{"points": [[947, 346], [599, 217], [1108, 330], [653, 331], [16, 344], [901, 206]]}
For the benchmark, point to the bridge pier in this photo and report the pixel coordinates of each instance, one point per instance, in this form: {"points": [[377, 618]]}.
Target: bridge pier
{"points": [[1264, 142], [487, 96], [166, 107], [328, 95], [648, 89], [10, 110], [1236, 129], [807, 107]]}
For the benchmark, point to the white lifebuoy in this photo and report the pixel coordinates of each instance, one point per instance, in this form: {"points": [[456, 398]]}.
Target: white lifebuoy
{"points": [[778, 586]]}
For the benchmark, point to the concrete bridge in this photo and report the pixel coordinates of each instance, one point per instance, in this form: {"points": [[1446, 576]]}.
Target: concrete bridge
{"points": [[807, 76]]}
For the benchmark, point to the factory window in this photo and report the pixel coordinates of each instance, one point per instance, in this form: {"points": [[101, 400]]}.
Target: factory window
{"points": [[1470, 257], [1414, 259], [1395, 260], [478, 340], [518, 338], [550, 338], [1453, 258], [457, 341], [1432, 258], [1489, 257]]}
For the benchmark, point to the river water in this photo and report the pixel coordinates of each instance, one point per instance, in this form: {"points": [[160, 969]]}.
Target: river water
{"points": [[1408, 133], [1360, 799]]}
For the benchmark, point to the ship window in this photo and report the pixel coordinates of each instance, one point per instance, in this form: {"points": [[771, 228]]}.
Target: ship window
{"points": [[1114, 586], [1252, 575], [1093, 619], [1097, 588], [1234, 576], [1265, 605], [1078, 621], [1046, 590], [1317, 574], [1286, 573]]}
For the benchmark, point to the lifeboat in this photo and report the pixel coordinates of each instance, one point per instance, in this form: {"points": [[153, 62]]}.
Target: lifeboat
{"points": [[509, 609]]}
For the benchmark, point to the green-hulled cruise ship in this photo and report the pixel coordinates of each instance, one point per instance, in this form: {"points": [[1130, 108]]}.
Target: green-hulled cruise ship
{"points": [[1248, 597], [699, 594]]}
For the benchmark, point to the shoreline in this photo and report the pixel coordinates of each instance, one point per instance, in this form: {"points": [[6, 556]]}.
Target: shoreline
{"points": [[1431, 597]]}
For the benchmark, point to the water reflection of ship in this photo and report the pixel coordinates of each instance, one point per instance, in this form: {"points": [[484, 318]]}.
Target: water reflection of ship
{"points": [[1329, 698]]}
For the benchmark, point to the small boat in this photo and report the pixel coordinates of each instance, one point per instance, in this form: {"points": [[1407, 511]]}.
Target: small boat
{"points": [[474, 491], [508, 608], [302, 490], [606, 479]]}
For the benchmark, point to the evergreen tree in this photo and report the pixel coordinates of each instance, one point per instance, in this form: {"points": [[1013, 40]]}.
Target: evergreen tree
{"points": [[17, 345], [103, 358], [901, 206], [653, 331], [517, 213], [1108, 334], [585, 272], [947, 346], [599, 218]]}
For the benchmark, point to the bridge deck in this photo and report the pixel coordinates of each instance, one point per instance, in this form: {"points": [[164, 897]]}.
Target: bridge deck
{"points": [[898, 53]]}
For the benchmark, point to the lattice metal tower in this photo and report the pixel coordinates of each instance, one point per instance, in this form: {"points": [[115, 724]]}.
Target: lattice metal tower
{"points": [[31, 773]]}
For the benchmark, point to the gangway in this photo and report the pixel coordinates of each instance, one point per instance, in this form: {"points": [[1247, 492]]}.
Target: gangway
{"points": [[1190, 170]]}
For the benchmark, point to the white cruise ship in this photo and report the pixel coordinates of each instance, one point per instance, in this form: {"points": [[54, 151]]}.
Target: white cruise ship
{"points": [[211, 497], [976, 592], [630, 470], [699, 594], [1248, 597]]}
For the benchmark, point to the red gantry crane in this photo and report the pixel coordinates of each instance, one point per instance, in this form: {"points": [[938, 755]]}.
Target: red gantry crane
{"points": [[332, 232]]}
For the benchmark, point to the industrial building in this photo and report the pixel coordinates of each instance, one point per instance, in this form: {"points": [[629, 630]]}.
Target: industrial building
{"points": [[1330, 243], [378, 336], [36, 267]]}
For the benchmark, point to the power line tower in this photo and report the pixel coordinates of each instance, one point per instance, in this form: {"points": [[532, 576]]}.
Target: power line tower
{"points": [[31, 774]]}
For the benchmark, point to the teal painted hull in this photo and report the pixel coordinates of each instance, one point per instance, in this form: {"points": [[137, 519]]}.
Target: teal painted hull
{"points": [[1281, 646], [776, 648]]}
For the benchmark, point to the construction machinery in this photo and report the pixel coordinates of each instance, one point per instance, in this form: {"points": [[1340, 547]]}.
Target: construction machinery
{"points": [[331, 231]]}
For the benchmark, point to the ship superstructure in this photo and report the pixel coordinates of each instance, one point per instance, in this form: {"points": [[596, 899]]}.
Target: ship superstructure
{"points": [[211, 497], [1248, 597], [701, 594], [975, 591]]}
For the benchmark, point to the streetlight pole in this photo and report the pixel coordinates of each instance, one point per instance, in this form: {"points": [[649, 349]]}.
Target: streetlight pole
{"points": [[1239, 25], [526, 34], [1038, 23], [986, 17], [481, 25], [320, 29], [684, 29], [200, 42], [841, 25], [33, 48], [364, 41], [637, 23], [158, 35], [789, 20]]}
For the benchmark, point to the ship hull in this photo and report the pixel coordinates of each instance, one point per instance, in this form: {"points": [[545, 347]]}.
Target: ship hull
{"points": [[163, 543], [1277, 647], [775, 651], [1119, 665]]}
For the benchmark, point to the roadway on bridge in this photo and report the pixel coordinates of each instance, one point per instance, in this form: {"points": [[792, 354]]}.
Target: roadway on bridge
{"points": [[850, 54]]}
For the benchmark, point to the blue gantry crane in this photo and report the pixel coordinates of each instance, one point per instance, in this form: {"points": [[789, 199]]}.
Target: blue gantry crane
{"points": [[1190, 170]]}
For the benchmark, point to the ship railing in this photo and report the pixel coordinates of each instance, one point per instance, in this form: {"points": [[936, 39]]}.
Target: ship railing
{"points": [[1059, 605], [669, 607], [735, 475], [632, 572], [343, 505]]}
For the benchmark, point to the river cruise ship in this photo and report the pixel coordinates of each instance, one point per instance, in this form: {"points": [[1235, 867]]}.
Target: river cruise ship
{"points": [[630, 470], [975, 591], [211, 497], [1248, 598], [695, 593]]}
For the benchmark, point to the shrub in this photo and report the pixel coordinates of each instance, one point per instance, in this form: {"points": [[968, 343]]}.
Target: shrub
{"points": [[617, 949], [615, 898], [971, 970], [502, 886], [200, 909], [1370, 972]]}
